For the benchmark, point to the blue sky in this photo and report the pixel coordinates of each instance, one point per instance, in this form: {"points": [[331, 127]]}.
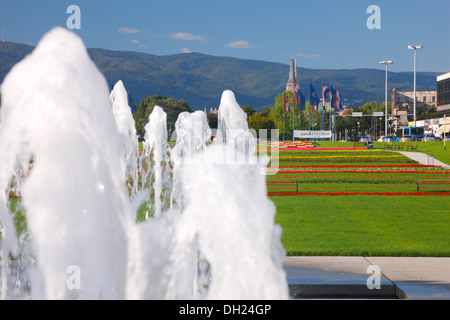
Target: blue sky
{"points": [[320, 34]]}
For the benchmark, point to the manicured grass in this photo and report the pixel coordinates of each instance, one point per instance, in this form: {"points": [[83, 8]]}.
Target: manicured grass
{"points": [[370, 225], [364, 225], [432, 148]]}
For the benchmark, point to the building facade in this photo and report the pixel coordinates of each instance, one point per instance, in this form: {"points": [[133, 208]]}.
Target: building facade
{"points": [[403, 103], [443, 94], [405, 99]]}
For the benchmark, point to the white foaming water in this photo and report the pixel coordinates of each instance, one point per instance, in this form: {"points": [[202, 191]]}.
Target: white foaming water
{"points": [[155, 152], [192, 132], [127, 129], [55, 107], [232, 124], [229, 217], [218, 242]]}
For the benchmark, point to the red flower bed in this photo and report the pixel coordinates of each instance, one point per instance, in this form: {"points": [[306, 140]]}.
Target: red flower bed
{"points": [[300, 148], [331, 177], [359, 193], [360, 166], [356, 171]]}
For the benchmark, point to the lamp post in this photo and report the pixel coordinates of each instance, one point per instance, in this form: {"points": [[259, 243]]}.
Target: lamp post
{"points": [[415, 54], [386, 95]]}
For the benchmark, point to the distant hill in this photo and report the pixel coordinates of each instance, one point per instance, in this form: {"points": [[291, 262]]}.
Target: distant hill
{"points": [[200, 79]]}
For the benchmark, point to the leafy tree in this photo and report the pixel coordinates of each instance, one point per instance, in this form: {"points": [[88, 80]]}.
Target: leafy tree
{"points": [[212, 120], [367, 125], [259, 121], [248, 110], [265, 112], [424, 112], [281, 119], [171, 107], [307, 118]]}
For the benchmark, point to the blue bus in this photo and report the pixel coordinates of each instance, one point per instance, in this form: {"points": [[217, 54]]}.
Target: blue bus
{"points": [[413, 133]]}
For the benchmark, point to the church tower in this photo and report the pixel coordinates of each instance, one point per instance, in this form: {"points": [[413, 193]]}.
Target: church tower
{"points": [[293, 81]]}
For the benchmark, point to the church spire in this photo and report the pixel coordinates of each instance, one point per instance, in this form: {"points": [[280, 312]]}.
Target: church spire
{"points": [[292, 76]]}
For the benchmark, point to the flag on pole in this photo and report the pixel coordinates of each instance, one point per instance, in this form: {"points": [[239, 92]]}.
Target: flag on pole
{"points": [[295, 94], [286, 103], [314, 99], [301, 99], [338, 101], [325, 91], [332, 98]]}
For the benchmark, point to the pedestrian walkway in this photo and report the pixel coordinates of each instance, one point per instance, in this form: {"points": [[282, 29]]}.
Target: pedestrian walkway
{"points": [[368, 277], [423, 158]]}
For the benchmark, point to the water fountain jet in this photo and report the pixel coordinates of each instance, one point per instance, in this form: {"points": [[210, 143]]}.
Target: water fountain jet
{"points": [[218, 242]]}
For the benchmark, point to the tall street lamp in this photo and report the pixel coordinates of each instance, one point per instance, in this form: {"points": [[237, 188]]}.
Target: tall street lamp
{"points": [[415, 50], [386, 95]]}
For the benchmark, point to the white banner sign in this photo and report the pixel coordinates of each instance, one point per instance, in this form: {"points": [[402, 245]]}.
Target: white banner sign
{"points": [[318, 134]]}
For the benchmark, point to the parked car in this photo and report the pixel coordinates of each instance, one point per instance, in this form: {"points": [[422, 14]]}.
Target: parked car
{"points": [[364, 139], [386, 139], [352, 139], [405, 139], [429, 137]]}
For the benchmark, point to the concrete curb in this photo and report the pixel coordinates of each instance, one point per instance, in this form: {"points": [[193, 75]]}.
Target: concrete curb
{"points": [[348, 277]]}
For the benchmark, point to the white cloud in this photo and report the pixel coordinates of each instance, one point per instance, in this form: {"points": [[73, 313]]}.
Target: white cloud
{"points": [[240, 44], [311, 55], [186, 36], [140, 45], [185, 50], [128, 30]]}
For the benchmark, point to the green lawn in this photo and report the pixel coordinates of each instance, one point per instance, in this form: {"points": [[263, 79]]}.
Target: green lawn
{"points": [[354, 225], [370, 225], [434, 148], [364, 225]]}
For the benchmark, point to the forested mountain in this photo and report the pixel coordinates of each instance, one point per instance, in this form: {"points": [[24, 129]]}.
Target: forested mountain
{"points": [[200, 79]]}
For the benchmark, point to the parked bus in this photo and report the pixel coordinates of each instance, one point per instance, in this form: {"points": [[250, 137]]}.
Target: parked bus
{"points": [[413, 133]]}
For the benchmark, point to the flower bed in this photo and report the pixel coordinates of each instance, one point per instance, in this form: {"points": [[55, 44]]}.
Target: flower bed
{"points": [[341, 156], [349, 160], [340, 181], [290, 144], [331, 178], [355, 171], [361, 166], [359, 193], [349, 171], [313, 149]]}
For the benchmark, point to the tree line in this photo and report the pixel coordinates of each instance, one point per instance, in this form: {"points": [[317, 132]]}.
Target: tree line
{"points": [[274, 117]]}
